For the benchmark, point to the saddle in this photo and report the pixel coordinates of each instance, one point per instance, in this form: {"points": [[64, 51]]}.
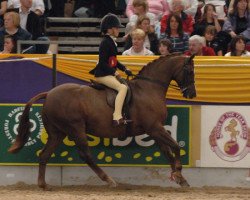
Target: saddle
{"points": [[111, 95]]}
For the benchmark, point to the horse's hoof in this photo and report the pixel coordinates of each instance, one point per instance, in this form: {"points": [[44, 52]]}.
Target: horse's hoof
{"points": [[179, 179], [184, 183], [111, 182], [45, 187]]}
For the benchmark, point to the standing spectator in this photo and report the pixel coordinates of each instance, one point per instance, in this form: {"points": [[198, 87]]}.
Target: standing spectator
{"points": [[238, 47], [165, 47], [138, 49], [3, 8], [12, 27], [177, 7], [151, 40], [37, 6], [238, 21], [175, 34], [9, 45], [197, 46], [209, 17], [157, 7]]}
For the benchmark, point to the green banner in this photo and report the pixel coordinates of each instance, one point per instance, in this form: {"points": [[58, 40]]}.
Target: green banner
{"points": [[132, 151]]}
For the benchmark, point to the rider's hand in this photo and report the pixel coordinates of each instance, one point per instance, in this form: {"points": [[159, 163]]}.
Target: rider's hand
{"points": [[128, 72], [117, 73]]}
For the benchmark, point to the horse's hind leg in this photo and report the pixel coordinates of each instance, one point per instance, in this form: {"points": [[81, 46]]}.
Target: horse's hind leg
{"points": [[83, 149], [54, 139], [169, 146]]}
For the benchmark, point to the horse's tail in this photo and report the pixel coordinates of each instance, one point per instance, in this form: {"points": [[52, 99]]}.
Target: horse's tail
{"points": [[24, 125]]}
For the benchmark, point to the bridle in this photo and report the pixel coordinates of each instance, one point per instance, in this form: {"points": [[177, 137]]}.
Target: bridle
{"points": [[183, 86]]}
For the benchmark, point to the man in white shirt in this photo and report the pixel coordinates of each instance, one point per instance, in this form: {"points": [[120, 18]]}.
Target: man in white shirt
{"points": [[37, 6]]}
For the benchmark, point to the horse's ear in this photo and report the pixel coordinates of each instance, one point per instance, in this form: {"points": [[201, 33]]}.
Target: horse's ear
{"points": [[191, 57]]}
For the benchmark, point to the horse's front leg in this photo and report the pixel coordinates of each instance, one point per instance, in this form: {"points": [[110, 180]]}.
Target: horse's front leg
{"points": [[171, 150]]}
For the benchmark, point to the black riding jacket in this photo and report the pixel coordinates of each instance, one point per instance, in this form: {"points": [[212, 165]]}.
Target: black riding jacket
{"points": [[108, 62]]}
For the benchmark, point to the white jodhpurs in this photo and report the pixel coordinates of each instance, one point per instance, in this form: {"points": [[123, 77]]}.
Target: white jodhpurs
{"points": [[122, 89]]}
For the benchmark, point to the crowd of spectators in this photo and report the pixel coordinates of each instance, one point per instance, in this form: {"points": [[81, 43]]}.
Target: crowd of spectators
{"points": [[155, 27]]}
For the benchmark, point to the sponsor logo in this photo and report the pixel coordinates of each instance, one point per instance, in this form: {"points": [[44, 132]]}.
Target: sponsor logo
{"points": [[11, 124], [230, 138]]}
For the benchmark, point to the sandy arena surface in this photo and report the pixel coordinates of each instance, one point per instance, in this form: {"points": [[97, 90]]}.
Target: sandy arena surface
{"points": [[32, 192]]}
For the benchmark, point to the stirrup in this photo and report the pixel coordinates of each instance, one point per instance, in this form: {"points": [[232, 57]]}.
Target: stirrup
{"points": [[121, 122]]}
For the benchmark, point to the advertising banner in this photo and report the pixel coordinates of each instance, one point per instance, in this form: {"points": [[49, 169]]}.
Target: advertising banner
{"points": [[225, 136], [131, 151]]}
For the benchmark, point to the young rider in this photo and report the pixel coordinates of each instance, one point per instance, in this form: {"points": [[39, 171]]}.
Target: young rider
{"points": [[106, 69]]}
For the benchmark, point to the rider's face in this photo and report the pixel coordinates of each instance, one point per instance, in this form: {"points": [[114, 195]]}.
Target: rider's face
{"points": [[115, 31]]}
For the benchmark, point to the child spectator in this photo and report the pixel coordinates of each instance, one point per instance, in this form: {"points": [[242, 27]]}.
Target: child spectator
{"points": [[137, 49], [175, 34], [238, 47], [165, 47], [212, 41], [9, 45], [197, 46], [151, 40]]}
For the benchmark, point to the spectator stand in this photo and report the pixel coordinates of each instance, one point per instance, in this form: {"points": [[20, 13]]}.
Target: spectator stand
{"points": [[82, 30]]}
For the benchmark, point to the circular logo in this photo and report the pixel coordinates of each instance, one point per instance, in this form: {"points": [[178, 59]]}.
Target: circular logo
{"points": [[12, 121], [230, 138]]}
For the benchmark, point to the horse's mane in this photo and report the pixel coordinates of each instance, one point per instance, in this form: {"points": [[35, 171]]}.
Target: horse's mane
{"points": [[154, 62]]}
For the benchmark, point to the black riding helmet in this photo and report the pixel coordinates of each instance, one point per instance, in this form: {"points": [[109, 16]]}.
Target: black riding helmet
{"points": [[110, 21]]}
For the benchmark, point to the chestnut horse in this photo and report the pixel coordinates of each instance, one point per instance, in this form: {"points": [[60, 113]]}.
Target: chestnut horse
{"points": [[73, 110]]}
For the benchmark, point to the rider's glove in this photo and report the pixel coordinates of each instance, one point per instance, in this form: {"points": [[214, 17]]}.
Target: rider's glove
{"points": [[128, 72]]}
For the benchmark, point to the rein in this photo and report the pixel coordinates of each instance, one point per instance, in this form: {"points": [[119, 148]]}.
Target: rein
{"points": [[175, 87], [182, 88], [150, 80]]}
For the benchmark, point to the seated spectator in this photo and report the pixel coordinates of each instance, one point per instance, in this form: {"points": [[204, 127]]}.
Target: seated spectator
{"points": [[37, 5], [137, 49], [209, 17], [197, 46], [175, 34], [151, 40], [30, 22], [12, 27], [140, 9], [238, 22], [9, 45], [230, 6], [238, 47], [165, 47], [177, 8], [157, 7], [220, 6], [212, 41], [3, 8]]}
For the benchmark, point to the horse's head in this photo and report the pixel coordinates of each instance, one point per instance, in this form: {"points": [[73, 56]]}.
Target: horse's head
{"points": [[186, 83]]}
